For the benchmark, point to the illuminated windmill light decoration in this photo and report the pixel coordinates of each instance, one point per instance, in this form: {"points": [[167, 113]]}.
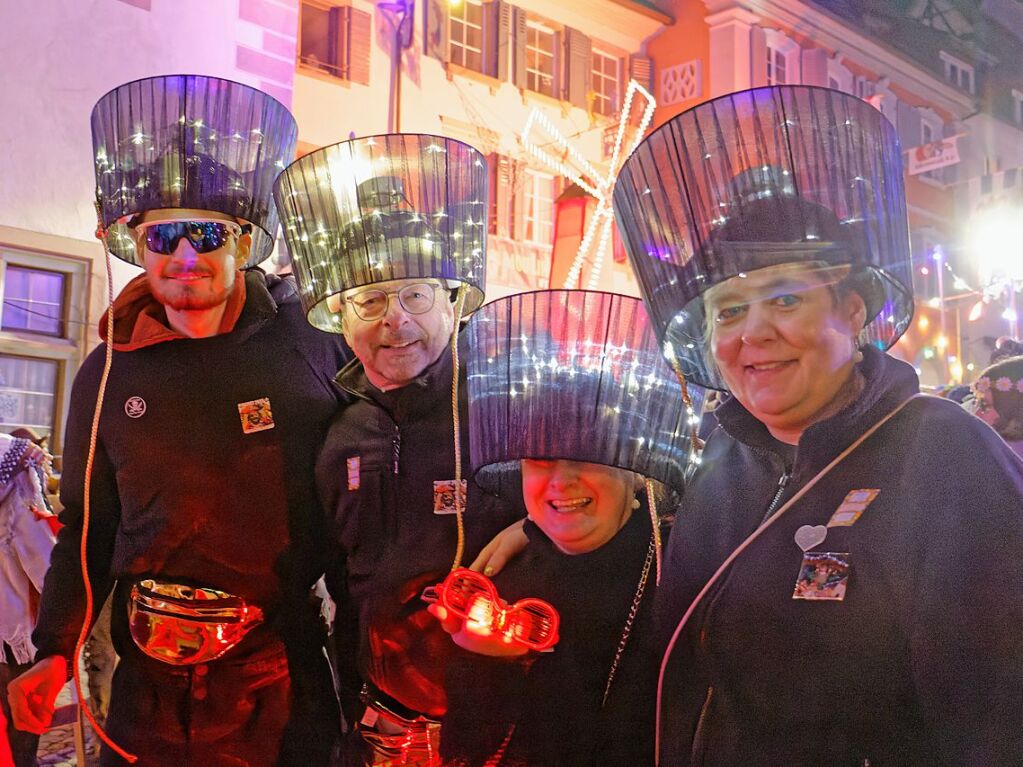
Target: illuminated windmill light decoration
{"points": [[587, 177]]}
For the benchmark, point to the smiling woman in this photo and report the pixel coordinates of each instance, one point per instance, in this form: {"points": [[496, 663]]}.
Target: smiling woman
{"points": [[579, 506], [784, 341], [814, 601], [573, 410]]}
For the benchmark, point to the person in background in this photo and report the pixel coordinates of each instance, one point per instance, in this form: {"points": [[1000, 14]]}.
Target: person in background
{"points": [[997, 399], [572, 409], [202, 492], [827, 594], [25, 545]]}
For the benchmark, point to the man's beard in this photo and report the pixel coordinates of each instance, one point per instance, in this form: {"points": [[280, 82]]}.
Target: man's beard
{"points": [[184, 297]]}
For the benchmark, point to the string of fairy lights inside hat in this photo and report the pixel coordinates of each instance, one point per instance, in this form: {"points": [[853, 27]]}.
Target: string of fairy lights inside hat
{"points": [[345, 167]]}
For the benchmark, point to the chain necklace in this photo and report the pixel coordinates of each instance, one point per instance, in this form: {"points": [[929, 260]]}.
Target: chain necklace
{"points": [[637, 598]]}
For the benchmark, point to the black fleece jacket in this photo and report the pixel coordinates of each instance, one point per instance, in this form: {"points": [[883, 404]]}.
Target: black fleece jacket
{"points": [[376, 476]]}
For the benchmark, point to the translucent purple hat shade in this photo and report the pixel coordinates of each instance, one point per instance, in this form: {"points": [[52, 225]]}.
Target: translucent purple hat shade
{"points": [[390, 207], [575, 375], [760, 178], [189, 141]]}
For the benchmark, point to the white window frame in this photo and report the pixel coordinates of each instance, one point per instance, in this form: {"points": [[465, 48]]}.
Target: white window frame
{"points": [[781, 49], [537, 221], [931, 130], [535, 31], [613, 101], [958, 72], [863, 87], [67, 351], [29, 303], [460, 42], [839, 77]]}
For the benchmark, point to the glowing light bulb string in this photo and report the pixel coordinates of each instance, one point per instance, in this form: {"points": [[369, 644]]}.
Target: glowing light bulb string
{"points": [[83, 634], [586, 176]]}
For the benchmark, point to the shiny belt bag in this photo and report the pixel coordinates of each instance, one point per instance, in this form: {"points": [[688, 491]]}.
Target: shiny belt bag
{"points": [[184, 625]]}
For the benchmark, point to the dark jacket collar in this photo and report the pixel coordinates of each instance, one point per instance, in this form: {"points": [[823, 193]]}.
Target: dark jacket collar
{"points": [[887, 383], [420, 395]]}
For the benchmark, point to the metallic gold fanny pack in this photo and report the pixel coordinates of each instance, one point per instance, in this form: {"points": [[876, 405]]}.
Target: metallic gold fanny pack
{"points": [[184, 625]]}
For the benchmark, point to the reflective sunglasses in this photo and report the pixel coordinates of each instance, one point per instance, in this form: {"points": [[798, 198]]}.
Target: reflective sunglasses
{"points": [[371, 305], [203, 236]]}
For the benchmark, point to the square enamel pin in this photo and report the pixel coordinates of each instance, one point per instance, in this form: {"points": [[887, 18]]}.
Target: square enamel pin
{"points": [[854, 504], [256, 415], [823, 575], [444, 496]]}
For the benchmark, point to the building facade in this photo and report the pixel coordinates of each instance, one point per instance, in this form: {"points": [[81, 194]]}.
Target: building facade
{"points": [[473, 70]]}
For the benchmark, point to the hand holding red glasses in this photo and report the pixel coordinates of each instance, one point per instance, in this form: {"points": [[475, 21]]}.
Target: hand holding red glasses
{"points": [[469, 608]]}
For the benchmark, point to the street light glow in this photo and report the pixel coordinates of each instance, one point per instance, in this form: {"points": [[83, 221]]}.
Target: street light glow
{"points": [[995, 238]]}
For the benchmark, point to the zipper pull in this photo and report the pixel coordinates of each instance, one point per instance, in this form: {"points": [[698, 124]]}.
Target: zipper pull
{"points": [[396, 449]]}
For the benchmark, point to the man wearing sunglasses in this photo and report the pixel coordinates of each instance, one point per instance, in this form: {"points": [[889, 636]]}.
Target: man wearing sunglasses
{"points": [[203, 519]]}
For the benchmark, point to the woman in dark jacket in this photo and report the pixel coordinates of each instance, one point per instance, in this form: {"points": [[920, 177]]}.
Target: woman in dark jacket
{"points": [[571, 407], [845, 584]]}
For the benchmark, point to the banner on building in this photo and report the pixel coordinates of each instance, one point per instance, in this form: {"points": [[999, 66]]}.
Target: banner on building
{"points": [[935, 155]]}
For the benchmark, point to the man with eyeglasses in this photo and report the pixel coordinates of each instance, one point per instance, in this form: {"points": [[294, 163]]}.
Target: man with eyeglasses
{"points": [[392, 262], [202, 516], [398, 329]]}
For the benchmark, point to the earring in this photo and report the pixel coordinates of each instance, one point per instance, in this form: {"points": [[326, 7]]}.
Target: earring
{"points": [[635, 503], [857, 356]]}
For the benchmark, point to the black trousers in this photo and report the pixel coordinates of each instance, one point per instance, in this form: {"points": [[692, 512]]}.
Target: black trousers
{"points": [[220, 714]]}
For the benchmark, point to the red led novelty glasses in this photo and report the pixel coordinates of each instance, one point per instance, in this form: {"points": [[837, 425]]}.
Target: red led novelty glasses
{"points": [[529, 622]]}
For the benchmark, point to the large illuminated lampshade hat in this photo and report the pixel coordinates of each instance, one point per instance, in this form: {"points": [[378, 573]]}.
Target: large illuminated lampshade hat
{"points": [[755, 179], [189, 141], [573, 375], [379, 208]]}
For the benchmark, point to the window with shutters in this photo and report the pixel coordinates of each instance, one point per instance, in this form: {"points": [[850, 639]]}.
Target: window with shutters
{"points": [[776, 67], [540, 58], [465, 34], [839, 77], [605, 83], [782, 58], [335, 39], [538, 207], [863, 87], [958, 72]]}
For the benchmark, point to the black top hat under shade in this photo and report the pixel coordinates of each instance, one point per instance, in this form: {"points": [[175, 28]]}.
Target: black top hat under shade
{"points": [[392, 207], [760, 178], [189, 141], [576, 375]]}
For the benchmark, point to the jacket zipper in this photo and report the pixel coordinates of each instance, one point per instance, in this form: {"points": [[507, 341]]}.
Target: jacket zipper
{"points": [[697, 747], [396, 448], [782, 481]]}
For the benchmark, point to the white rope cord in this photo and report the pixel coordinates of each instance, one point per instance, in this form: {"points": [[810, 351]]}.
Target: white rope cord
{"points": [[83, 634]]}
